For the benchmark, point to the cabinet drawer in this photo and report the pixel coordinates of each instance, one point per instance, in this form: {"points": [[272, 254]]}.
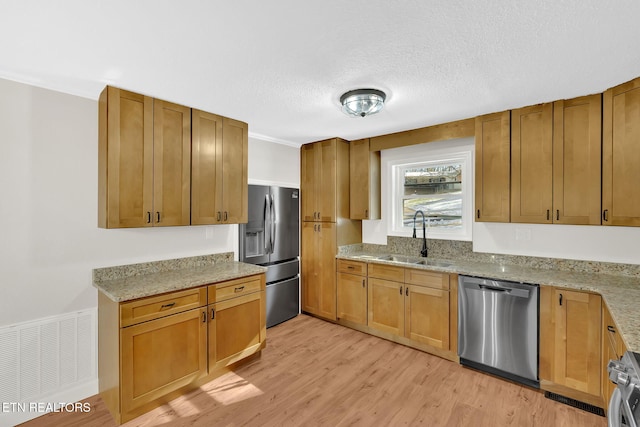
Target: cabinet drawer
{"points": [[235, 288], [388, 272], [150, 308], [431, 279], [352, 267]]}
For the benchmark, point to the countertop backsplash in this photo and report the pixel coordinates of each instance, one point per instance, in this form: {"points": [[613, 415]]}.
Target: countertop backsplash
{"points": [[460, 250]]}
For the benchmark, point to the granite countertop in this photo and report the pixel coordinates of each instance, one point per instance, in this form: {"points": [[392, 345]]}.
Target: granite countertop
{"points": [[621, 293], [144, 285]]}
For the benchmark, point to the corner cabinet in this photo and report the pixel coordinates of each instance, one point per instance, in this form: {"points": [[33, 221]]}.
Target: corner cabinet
{"points": [[144, 161], [570, 343], [621, 155], [493, 156], [324, 194], [153, 349], [219, 192], [613, 348]]}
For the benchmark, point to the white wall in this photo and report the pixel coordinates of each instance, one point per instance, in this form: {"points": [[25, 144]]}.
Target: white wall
{"points": [[273, 164], [49, 240], [589, 243]]}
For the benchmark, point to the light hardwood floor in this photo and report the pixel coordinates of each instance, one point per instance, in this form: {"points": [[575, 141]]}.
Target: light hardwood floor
{"points": [[314, 373]]}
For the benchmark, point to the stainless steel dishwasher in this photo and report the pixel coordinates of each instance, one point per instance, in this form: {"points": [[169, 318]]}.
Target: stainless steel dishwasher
{"points": [[498, 328]]}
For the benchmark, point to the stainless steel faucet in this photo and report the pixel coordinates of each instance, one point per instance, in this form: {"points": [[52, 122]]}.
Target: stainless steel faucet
{"points": [[423, 252]]}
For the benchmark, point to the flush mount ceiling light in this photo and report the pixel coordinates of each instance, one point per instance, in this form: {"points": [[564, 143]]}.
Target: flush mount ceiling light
{"points": [[362, 102]]}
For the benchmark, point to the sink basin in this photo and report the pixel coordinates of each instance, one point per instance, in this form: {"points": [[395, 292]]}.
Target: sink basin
{"points": [[412, 260], [400, 258], [434, 263]]}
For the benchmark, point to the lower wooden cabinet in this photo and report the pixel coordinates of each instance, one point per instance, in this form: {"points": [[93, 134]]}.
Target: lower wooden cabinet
{"points": [[153, 349], [351, 299], [570, 344], [161, 356], [415, 307], [318, 261], [613, 348], [236, 326]]}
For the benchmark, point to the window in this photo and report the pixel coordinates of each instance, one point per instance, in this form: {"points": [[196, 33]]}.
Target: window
{"points": [[437, 180]]}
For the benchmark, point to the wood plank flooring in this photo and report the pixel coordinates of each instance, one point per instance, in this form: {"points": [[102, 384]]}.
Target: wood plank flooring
{"points": [[314, 373]]}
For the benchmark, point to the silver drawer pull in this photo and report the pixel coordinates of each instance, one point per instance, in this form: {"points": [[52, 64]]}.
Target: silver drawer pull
{"points": [[240, 289], [167, 305]]}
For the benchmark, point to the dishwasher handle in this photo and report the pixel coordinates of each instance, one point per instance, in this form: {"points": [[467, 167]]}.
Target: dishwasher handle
{"points": [[484, 285]]}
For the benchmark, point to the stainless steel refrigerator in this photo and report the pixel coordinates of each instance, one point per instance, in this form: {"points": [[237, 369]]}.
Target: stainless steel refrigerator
{"points": [[271, 238]]}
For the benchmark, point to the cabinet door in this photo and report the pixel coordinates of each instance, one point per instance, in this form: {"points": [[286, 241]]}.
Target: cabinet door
{"points": [[573, 345], [171, 164], [309, 181], [532, 164], [162, 355], [326, 253], [237, 329], [310, 268], [206, 168], [493, 156], [364, 181], [621, 155], [352, 298], [577, 146], [234, 171], [129, 159], [386, 306], [327, 178], [427, 316]]}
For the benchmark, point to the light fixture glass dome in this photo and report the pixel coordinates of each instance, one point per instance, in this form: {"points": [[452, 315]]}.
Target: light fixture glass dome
{"points": [[362, 102]]}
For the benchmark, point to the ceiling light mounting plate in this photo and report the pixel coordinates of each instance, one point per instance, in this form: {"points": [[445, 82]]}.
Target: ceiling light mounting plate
{"points": [[362, 102]]}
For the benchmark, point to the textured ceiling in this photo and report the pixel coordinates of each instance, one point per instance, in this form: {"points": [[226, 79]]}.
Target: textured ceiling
{"points": [[281, 65]]}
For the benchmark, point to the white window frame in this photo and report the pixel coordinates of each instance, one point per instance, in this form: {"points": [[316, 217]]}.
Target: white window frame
{"points": [[460, 151]]}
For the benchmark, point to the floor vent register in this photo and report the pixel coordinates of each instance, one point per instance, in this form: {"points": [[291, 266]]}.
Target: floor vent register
{"points": [[575, 403]]}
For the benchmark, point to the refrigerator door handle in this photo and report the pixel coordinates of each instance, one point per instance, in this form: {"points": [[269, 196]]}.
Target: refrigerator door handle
{"points": [[273, 225], [267, 224]]}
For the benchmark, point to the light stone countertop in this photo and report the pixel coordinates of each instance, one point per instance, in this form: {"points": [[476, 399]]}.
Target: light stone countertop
{"points": [[144, 285], [620, 293]]}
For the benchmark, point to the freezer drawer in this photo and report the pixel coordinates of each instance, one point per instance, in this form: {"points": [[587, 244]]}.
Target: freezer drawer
{"points": [[283, 301]]}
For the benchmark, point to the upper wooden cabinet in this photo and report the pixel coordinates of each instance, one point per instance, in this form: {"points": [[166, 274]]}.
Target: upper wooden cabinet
{"points": [[555, 162], [532, 164], [621, 155], [324, 183], [364, 177], [577, 148], [219, 170], [144, 152], [493, 157]]}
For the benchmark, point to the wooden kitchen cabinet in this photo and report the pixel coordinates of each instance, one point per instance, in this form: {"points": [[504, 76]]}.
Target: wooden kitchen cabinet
{"points": [[532, 164], [351, 299], [414, 304], [613, 348], [577, 157], [621, 155], [161, 356], [324, 193], [144, 155], [324, 184], [364, 176], [219, 170], [570, 343], [318, 260], [237, 320], [386, 306], [493, 156], [153, 349]]}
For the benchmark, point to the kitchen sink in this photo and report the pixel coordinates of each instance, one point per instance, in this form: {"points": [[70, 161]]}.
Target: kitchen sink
{"points": [[413, 260]]}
